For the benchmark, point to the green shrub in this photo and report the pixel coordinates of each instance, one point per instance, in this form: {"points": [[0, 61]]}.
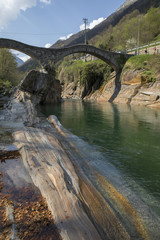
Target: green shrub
{"points": [[124, 34], [149, 76], [148, 64], [85, 72], [8, 68]]}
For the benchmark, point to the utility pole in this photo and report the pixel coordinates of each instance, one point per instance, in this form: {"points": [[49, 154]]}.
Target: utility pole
{"points": [[138, 36], [85, 24]]}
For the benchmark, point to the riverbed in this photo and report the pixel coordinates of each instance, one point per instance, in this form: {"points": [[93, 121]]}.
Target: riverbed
{"points": [[121, 143], [114, 177], [24, 213]]}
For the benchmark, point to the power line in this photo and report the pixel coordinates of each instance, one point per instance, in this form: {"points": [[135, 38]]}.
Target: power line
{"points": [[37, 34]]}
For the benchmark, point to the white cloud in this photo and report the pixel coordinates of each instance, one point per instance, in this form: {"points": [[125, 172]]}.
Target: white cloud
{"points": [[48, 45], [63, 38], [92, 24], [66, 37], [96, 22], [46, 1], [82, 27], [69, 35], [10, 9]]}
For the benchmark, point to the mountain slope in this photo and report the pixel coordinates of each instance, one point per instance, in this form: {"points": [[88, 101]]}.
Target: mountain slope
{"points": [[128, 7], [127, 3], [19, 61]]}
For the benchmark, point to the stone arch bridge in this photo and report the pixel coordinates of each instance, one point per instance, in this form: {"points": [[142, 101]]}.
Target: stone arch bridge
{"points": [[45, 56]]}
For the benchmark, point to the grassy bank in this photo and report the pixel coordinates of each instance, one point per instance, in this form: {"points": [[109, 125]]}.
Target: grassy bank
{"points": [[148, 64]]}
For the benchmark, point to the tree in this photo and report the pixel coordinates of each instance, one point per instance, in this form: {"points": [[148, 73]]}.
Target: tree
{"points": [[8, 67], [125, 34]]}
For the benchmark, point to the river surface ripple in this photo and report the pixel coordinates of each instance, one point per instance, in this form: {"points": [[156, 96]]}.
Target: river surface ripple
{"points": [[121, 141]]}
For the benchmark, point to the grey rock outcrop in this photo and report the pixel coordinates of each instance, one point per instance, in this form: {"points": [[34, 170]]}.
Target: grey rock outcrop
{"points": [[134, 90], [36, 88], [43, 87], [127, 3]]}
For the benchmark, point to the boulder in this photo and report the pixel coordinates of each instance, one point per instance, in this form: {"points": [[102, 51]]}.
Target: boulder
{"points": [[132, 77], [43, 87]]}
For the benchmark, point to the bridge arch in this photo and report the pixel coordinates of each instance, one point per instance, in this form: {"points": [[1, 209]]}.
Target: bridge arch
{"points": [[111, 58], [34, 52], [45, 55]]}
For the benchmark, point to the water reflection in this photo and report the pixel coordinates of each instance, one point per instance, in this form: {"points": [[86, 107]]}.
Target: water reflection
{"points": [[119, 146], [126, 136]]}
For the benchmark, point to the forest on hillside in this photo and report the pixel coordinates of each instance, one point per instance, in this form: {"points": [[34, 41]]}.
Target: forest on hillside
{"points": [[125, 34]]}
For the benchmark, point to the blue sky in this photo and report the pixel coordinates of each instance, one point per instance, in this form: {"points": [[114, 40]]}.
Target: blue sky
{"points": [[43, 22]]}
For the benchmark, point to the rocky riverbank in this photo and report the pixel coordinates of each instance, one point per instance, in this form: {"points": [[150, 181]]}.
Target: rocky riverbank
{"points": [[139, 83], [47, 163], [132, 91], [52, 161]]}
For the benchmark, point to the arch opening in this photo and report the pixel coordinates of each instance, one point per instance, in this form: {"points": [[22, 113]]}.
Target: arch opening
{"points": [[81, 75], [106, 56], [22, 48], [22, 55]]}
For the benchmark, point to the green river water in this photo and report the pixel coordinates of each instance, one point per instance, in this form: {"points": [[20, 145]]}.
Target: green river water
{"points": [[121, 141]]}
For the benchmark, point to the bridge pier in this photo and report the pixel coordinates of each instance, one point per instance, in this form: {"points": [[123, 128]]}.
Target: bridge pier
{"points": [[50, 68], [117, 86]]}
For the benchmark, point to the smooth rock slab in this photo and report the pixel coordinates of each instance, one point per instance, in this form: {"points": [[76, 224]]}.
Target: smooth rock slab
{"points": [[53, 173]]}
